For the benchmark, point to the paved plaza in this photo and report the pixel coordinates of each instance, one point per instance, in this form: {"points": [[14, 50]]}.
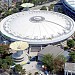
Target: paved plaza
{"points": [[33, 67]]}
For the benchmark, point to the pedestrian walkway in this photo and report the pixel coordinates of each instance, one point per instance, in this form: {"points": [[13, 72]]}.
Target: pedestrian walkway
{"points": [[32, 68], [46, 4]]}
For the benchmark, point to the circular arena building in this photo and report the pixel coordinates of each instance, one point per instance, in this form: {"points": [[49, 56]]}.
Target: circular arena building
{"points": [[69, 8], [38, 27]]}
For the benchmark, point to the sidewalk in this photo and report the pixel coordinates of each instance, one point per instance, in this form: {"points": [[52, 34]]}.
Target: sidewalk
{"points": [[32, 68], [46, 4]]}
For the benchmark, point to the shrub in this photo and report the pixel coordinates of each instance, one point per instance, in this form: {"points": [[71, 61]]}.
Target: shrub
{"points": [[51, 7], [36, 73], [65, 48], [15, 10], [18, 4], [72, 56], [43, 8], [30, 73], [70, 43], [60, 10]]}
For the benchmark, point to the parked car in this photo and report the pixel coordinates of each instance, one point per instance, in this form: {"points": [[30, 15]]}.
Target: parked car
{"points": [[35, 58], [28, 62]]}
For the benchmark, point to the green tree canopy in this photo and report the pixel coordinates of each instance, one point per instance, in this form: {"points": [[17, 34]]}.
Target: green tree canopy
{"points": [[30, 73], [4, 49], [1, 62], [58, 63], [9, 60], [54, 64], [43, 8], [5, 66], [72, 56], [48, 61], [23, 72], [70, 43], [51, 7], [18, 68]]}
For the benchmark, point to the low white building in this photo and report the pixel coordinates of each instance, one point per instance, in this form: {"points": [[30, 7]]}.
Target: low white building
{"points": [[69, 69]]}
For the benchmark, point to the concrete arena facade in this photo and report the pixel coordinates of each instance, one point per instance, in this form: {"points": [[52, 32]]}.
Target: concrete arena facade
{"points": [[69, 8], [38, 27]]}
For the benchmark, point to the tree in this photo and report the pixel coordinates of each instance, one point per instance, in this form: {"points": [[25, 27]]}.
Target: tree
{"points": [[5, 60], [0, 62], [43, 8], [18, 68], [23, 72], [54, 64], [51, 7], [30, 73], [34, 2], [60, 10], [70, 43], [5, 63], [18, 4], [36, 73], [9, 60], [23, 1], [58, 63], [5, 66], [48, 61], [15, 10], [72, 56], [4, 49]]}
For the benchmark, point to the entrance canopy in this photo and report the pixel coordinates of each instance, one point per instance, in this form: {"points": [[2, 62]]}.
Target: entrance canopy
{"points": [[27, 5], [38, 27], [19, 45]]}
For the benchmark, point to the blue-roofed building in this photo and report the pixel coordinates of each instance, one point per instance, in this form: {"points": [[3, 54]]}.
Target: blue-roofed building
{"points": [[69, 8]]}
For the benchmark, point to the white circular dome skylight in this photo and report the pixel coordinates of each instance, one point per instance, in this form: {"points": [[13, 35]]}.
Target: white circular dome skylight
{"points": [[38, 27]]}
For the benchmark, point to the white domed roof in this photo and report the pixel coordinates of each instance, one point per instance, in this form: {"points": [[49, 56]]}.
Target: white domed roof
{"points": [[38, 27]]}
